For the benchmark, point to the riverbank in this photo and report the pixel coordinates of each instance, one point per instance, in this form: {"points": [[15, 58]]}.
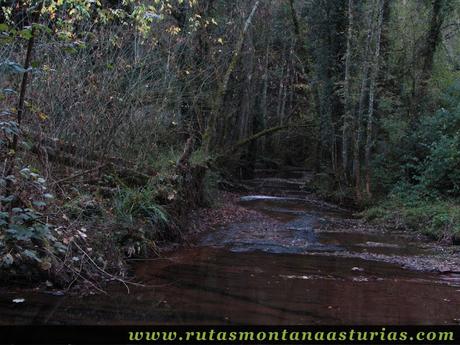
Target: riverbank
{"points": [[258, 259], [82, 237], [100, 256], [359, 237], [436, 218]]}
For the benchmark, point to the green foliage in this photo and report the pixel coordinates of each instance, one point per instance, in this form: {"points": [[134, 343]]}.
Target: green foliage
{"points": [[439, 219], [439, 140], [8, 130], [139, 202], [210, 187], [329, 187], [423, 155], [25, 236], [140, 220], [165, 160], [12, 67], [441, 169], [199, 157], [83, 206], [420, 168]]}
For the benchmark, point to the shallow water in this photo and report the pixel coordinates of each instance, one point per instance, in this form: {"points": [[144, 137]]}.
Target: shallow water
{"points": [[248, 273]]}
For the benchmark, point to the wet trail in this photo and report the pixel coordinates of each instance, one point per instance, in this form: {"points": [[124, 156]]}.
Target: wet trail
{"points": [[287, 273]]}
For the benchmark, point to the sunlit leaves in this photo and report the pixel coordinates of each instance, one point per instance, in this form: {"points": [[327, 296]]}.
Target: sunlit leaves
{"points": [[26, 33], [174, 30], [64, 14], [7, 12]]}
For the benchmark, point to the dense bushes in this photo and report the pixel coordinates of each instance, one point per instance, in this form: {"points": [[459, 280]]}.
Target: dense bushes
{"points": [[436, 218], [28, 242], [420, 169], [102, 107], [425, 154], [439, 171]]}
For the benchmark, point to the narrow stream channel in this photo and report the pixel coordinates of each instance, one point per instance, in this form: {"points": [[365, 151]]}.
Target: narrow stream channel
{"points": [[246, 273]]}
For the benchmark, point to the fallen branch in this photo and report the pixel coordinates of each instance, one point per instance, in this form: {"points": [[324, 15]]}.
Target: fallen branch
{"points": [[132, 176], [256, 136], [80, 174], [63, 159], [114, 277], [260, 134]]}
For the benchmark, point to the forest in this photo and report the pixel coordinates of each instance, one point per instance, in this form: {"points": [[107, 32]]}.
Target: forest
{"points": [[126, 125]]}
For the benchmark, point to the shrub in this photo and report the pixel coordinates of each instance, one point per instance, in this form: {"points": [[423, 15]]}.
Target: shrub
{"points": [[436, 218], [210, 187], [139, 202], [165, 160], [426, 158], [140, 220], [25, 235]]}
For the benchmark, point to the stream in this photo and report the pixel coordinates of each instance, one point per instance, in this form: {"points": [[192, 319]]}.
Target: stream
{"points": [[250, 273]]}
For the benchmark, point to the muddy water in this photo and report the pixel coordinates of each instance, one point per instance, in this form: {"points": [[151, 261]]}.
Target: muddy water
{"points": [[253, 273]]}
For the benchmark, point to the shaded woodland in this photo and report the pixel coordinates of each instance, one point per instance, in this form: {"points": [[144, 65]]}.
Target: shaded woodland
{"points": [[118, 117]]}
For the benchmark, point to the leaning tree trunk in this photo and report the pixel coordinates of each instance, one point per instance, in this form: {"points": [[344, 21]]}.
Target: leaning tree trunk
{"points": [[210, 132], [22, 96]]}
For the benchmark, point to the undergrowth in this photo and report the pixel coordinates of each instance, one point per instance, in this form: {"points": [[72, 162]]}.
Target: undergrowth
{"points": [[436, 218], [131, 203], [28, 242]]}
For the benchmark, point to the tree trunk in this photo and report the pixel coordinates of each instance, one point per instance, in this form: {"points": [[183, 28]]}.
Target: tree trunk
{"points": [[295, 20], [434, 36], [358, 116], [347, 93], [247, 99], [373, 78], [22, 98], [264, 102], [432, 41]]}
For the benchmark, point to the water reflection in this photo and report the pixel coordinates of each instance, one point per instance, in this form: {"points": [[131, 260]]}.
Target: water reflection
{"points": [[213, 284]]}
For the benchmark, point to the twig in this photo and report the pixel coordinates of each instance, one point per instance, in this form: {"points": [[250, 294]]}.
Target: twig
{"points": [[125, 283], [76, 272]]}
